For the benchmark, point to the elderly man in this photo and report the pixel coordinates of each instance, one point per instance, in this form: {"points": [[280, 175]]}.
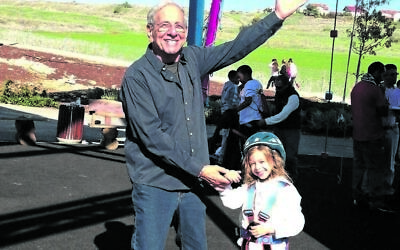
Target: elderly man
{"points": [[166, 143]]}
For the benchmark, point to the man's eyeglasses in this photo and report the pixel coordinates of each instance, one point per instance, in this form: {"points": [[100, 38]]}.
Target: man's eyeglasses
{"points": [[165, 27]]}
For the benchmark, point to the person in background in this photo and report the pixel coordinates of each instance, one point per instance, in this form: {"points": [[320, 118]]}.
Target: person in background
{"points": [[390, 125], [166, 141], [274, 72], [271, 204], [398, 148], [368, 106], [286, 123], [250, 102], [230, 94], [229, 117], [293, 72], [284, 69]]}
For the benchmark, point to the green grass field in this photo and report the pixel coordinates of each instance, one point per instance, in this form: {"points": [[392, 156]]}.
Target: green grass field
{"points": [[97, 30]]}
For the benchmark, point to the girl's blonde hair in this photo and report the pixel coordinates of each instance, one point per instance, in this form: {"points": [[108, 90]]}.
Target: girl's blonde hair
{"points": [[274, 159]]}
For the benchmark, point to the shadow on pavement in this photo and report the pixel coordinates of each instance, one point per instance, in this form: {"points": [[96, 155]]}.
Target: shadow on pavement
{"points": [[117, 236], [331, 217], [35, 223], [324, 183], [60, 149]]}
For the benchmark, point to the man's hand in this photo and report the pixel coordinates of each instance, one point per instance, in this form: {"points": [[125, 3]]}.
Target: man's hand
{"points": [[285, 8], [214, 175]]}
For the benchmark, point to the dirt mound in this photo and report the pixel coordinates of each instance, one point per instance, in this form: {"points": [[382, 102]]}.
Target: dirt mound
{"points": [[57, 72], [54, 72]]}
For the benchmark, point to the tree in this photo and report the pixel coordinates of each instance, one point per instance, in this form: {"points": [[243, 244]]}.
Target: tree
{"points": [[371, 30], [311, 10]]}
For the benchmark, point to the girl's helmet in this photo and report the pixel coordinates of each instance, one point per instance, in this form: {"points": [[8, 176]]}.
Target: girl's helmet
{"points": [[265, 138]]}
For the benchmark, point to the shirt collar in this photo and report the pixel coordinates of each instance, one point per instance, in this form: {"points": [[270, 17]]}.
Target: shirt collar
{"points": [[369, 78], [155, 61]]}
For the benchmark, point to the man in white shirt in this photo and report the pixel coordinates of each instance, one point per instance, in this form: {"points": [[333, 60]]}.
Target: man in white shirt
{"points": [[250, 101]]}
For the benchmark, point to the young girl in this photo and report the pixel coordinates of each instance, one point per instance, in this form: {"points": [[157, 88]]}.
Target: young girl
{"points": [[271, 210]]}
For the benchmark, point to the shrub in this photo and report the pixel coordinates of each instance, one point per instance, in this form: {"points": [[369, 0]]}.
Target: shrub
{"points": [[110, 94], [117, 9], [318, 117], [95, 93], [321, 118], [120, 7], [213, 109], [25, 96]]}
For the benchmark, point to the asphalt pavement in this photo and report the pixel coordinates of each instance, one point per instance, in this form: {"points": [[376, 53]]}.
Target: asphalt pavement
{"points": [[77, 196]]}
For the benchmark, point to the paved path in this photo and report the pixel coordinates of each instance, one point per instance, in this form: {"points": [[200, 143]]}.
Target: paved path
{"points": [[57, 196]]}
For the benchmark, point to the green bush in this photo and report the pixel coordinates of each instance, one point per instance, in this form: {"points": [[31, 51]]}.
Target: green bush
{"points": [[213, 109], [25, 96], [120, 7], [117, 9], [318, 117], [110, 94], [321, 118], [95, 93]]}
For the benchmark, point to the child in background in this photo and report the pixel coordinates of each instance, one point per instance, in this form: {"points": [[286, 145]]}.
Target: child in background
{"points": [[274, 73], [271, 210]]}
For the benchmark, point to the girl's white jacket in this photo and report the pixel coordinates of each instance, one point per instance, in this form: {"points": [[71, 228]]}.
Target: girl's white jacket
{"points": [[285, 215]]}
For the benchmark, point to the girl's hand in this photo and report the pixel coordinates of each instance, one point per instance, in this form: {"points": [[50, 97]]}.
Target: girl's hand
{"points": [[233, 176], [261, 230]]}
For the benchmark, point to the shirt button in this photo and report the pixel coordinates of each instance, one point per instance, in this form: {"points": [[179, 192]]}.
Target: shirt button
{"points": [[190, 134], [192, 150], [188, 119]]}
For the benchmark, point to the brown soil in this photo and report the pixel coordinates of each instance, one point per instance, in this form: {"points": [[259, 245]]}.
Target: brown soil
{"points": [[59, 73], [41, 69]]}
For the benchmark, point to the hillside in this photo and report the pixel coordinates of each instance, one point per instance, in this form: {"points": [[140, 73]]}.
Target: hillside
{"points": [[108, 34]]}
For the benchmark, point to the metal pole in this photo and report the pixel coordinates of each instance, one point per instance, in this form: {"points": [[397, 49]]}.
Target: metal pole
{"points": [[333, 35], [196, 17], [350, 48]]}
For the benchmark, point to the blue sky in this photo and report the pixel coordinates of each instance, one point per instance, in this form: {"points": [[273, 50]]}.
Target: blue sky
{"points": [[243, 5]]}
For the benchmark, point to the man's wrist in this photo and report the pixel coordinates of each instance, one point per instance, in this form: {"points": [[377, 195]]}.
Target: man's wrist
{"points": [[200, 175]]}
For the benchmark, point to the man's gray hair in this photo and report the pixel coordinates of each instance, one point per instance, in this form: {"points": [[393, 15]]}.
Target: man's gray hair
{"points": [[153, 11]]}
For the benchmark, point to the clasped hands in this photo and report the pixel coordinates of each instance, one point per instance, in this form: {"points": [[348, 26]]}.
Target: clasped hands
{"points": [[258, 230], [218, 177]]}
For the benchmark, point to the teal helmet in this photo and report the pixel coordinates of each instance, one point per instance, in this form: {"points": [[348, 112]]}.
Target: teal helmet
{"points": [[265, 138]]}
